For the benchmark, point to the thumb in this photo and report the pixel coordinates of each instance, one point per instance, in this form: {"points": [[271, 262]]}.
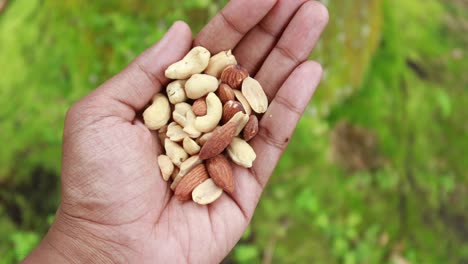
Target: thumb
{"points": [[131, 89]]}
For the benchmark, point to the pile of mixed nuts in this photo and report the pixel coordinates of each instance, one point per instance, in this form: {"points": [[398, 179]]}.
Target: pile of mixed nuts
{"points": [[207, 111]]}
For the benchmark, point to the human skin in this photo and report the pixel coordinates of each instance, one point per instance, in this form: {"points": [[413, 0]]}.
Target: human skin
{"points": [[115, 206]]}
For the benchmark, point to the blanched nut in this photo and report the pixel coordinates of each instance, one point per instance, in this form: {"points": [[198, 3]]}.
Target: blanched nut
{"points": [[241, 98], [241, 153], [190, 146], [175, 132], [185, 167], [194, 62], [253, 92], [220, 61], [206, 193], [192, 131], [175, 152], [200, 85], [214, 111], [184, 115], [176, 92], [240, 119], [189, 164], [166, 166], [180, 113], [158, 113]]}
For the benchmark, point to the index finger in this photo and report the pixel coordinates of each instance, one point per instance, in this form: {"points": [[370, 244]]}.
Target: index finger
{"points": [[232, 23]]}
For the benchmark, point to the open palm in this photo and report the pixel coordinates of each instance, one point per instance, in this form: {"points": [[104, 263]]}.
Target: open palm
{"points": [[114, 200]]}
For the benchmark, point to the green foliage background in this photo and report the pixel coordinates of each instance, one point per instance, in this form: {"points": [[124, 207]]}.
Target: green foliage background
{"points": [[376, 171]]}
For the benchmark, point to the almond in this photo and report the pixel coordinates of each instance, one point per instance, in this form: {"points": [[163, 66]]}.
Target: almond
{"points": [[251, 128], [225, 93], [234, 75], [185, 168], [217, 142], [240, 119], [202, 140], [199, 107], [206, 193], [186, 185], [230, 109], [220, 171]]}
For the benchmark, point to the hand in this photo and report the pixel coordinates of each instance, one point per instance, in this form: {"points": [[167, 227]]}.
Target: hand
{"points": [[115, 206]]}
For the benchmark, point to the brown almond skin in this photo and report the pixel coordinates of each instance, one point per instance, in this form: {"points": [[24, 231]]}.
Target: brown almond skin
{"points": [[162, 134], [234, 75], [190, 181], [220, 171], [199, 107], [230, 109], [218, 142], [225, 93], [251, 128]]}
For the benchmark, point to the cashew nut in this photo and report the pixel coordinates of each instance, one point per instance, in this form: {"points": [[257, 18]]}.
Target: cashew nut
{"points": [[175, 152], [158, 113], [176, 92], [241, 152], [214, 111], [194, 62], [220, 61], [166, 166], [200, 85]]}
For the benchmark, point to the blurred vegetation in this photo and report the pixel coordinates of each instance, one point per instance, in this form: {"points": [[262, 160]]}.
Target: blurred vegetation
{"points": [[376, 171]]}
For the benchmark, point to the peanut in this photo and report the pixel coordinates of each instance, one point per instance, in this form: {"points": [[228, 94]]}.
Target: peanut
{"points": [[166, 166], [175, 152], [206, 193], [253, 92], [241, 153]]}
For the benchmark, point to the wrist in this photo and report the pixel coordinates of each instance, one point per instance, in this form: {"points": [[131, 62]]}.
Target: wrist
{"points": [[69, 241]]}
